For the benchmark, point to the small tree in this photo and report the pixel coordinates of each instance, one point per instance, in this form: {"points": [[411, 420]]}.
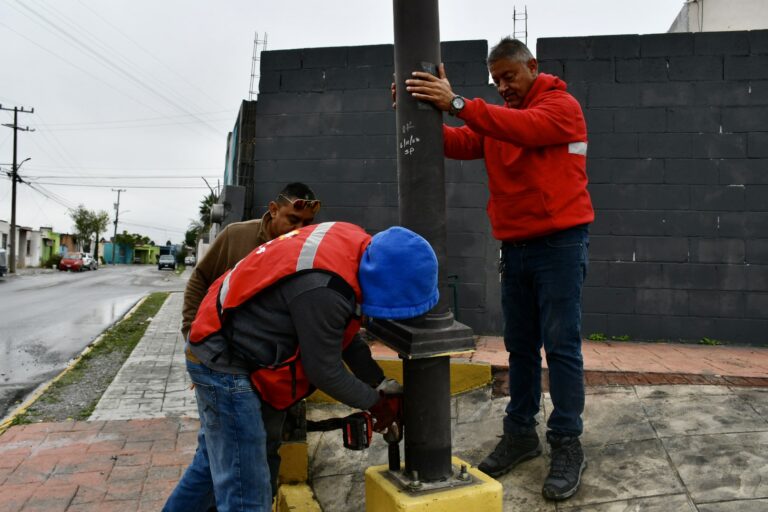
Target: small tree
{"points": [[190, 237], [88, 223], [100, 223], [83, 219]]}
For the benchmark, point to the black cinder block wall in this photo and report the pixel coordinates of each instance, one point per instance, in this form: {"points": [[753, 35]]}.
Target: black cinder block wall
{"points": [[325, 117], [678, 168]]}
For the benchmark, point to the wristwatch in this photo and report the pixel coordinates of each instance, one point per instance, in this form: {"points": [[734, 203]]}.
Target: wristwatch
{"points": [[457, 104]]}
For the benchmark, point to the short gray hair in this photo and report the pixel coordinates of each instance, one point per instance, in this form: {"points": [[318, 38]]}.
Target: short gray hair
{"points": [[512, 49]]}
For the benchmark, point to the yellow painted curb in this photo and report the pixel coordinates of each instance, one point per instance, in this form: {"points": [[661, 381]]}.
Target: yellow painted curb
{"points": [[296, 498], [465, 376], [294, 462], [42, 388]]}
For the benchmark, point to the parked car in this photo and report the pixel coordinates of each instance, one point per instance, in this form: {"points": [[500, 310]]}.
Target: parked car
{"points": [[166, 261], [3, 262], [74, 261], [88, 262], [189, 260]]}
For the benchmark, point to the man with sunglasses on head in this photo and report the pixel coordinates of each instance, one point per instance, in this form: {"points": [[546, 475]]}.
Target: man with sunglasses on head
{"points": [[294, 207]]}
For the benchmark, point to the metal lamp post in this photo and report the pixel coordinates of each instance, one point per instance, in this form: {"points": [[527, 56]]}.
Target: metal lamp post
{"points": [[424, 343]]}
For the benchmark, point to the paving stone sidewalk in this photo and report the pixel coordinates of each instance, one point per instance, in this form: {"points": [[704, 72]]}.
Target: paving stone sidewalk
{"points": [[655, 448], [153, 382]]}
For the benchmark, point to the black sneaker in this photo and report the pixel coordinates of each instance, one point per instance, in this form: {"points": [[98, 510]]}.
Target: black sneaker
{"points": [[511, 451], [565, 469]]}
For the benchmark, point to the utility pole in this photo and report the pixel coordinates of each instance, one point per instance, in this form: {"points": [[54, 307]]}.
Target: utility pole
{"points": [[14, 179], [117, 213]]}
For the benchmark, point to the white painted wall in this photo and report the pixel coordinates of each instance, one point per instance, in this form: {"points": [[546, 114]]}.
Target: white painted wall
{"points": [[721, 15]]}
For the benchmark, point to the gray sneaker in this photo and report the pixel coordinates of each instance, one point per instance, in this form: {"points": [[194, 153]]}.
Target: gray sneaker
{"points": [[511, 451], [566, 467]]}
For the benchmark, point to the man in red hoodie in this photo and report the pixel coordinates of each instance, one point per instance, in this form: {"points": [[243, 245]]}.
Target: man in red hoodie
{"points": [[534, 149]]}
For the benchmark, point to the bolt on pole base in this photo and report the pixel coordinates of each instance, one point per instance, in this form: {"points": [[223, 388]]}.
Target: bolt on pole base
{"points": [[470, 489]]}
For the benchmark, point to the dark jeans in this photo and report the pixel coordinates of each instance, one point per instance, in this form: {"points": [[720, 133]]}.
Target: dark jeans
{"points": [[234, 466], [541, 281]]}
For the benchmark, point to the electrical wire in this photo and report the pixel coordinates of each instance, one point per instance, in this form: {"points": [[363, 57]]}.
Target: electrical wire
{"points": [[150, 54], [165, 228], [88, 185], [56, 166], [86, 49], [134, 177], [138, 120], [81, 69], [106, 48], [144, 126]]}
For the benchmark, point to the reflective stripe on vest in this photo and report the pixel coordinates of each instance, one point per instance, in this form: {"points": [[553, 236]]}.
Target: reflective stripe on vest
{"points": [[309, 250], [305, 261], [334, 247]]}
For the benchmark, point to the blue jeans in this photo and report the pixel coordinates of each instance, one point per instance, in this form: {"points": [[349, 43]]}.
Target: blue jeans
{"points": [[230, 468], [541, 282]]}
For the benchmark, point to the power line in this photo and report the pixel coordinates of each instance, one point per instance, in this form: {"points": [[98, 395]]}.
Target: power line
{"points": [[106, 62], [151, 54], [81, 69], [155, 125], [108, 49], [163, 228], [132, 177], [143, 119], [57, 166], [110, 186]]}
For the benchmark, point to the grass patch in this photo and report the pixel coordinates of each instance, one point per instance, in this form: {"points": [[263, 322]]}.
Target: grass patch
{"points": [[77, 392], [597, 336]]}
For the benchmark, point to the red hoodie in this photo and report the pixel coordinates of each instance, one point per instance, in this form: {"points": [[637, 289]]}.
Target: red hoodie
{"points": [[535, 157]]}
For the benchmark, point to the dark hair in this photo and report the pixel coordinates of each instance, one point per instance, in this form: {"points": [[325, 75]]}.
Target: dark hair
{"points": [[512, 49], [297, 190]]}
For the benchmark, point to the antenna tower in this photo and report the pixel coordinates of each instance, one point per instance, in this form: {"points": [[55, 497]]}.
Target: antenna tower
{"points": [[522, 17], [255, 67]]}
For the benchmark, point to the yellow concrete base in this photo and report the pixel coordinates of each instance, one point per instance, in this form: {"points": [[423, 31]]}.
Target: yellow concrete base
{"points": [[294, 463], [295, 498], [381, 495]]}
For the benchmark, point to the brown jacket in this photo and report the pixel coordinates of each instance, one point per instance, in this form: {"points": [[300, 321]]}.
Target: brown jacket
{"points": [[230, 246]]}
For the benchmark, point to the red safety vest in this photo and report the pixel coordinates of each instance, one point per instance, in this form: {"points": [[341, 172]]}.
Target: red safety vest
{"points": [[334, 247]]}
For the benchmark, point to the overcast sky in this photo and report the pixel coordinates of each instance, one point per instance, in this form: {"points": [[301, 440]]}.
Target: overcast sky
{"points": [[141, 93]]}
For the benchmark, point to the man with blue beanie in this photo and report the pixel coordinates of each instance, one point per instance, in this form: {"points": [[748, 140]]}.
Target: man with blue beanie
{"points": [[281, 323]]}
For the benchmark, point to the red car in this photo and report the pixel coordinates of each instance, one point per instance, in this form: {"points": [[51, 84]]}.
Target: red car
{"points": [[73, 261]]}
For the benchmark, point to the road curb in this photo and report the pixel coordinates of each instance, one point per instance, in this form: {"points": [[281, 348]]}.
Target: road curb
{"points": [[42, 388]]}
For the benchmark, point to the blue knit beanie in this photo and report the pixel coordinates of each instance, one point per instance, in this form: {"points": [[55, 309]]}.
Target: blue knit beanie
{"points": [[398, 275]]}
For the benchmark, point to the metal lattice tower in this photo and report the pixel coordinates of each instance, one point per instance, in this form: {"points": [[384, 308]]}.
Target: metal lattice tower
{"points": [[522, 34], [255, 64]]}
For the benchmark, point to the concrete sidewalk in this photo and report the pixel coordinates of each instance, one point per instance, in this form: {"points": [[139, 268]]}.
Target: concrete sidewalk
{"points": [[654, 439]]}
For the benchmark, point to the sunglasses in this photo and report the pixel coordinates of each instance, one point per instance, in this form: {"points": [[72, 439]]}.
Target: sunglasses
{"points": [[302, 204]]}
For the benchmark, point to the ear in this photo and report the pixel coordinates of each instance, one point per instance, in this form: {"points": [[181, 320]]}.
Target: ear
{"points": [[273, 209], [533, 65]]}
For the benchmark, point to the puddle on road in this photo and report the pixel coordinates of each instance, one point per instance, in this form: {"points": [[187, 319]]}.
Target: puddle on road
{"points": [[35, 356]]}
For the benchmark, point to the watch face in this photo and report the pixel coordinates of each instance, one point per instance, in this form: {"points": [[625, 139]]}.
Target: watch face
{"points": [[458, 102]]}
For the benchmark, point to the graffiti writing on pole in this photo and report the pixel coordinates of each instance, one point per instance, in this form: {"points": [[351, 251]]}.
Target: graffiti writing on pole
{"points": [[408, 144]]}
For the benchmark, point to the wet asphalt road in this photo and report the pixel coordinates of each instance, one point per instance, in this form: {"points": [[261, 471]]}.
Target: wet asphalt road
{"points": [[47, 318]]}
